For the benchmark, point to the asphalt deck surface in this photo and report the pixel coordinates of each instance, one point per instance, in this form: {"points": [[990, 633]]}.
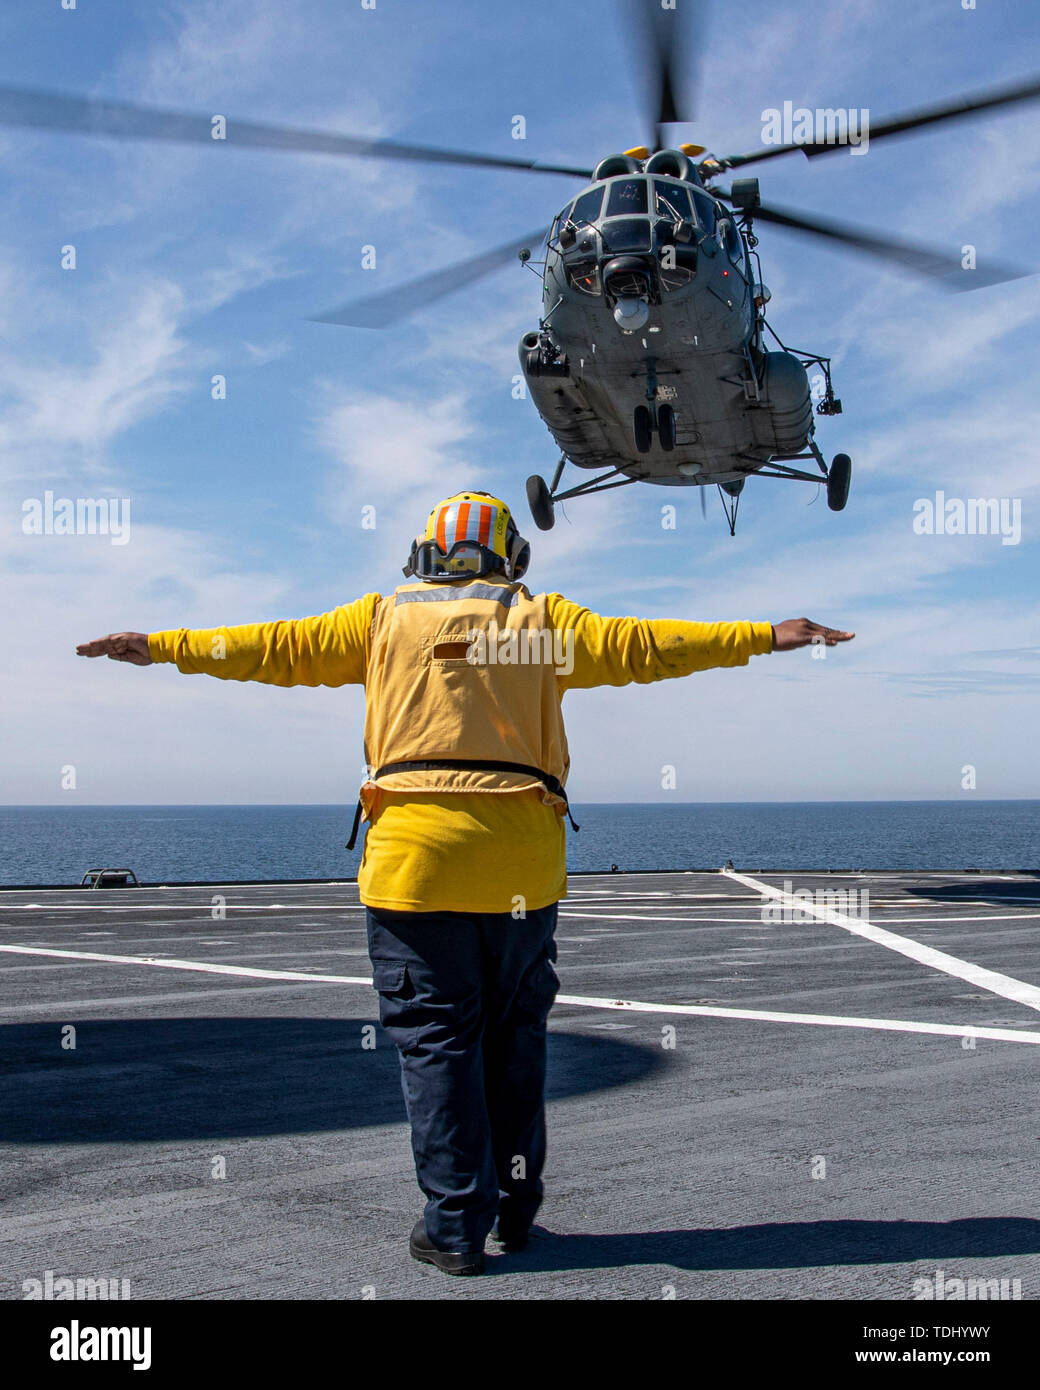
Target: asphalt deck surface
{"points": [[755, 1158]]}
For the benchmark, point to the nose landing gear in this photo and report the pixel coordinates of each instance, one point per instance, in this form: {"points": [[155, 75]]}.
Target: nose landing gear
{"points": [[666, 428], [650, 417], [642, 428], [644, 424]]}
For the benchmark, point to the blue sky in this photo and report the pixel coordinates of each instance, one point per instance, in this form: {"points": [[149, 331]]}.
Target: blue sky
{"points": [[193, 261]]}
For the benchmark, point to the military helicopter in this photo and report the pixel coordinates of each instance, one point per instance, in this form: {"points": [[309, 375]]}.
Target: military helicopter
{"points": [[653, 360]]}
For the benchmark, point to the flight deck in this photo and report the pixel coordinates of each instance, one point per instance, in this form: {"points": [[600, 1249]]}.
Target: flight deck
{"points": [[762, 1085]]}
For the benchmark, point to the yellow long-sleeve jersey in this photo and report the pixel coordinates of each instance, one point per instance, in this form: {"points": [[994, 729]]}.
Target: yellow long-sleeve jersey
{"points": [[460, 852]]}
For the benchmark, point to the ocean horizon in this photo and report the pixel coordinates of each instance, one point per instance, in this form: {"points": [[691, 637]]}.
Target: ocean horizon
{"points": [[171, 843]]}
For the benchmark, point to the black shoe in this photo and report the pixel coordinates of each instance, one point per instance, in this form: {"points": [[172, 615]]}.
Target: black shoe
{"points": [[422, 1248], [515, 1216]]}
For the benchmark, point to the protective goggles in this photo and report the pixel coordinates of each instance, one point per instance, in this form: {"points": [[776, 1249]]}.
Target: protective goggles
{"points": [[429, 561]]}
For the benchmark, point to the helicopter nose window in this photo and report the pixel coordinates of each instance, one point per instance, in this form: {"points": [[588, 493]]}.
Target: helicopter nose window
{"points": [[585, 277], [626, 234], [586, 208], [627, 196]]}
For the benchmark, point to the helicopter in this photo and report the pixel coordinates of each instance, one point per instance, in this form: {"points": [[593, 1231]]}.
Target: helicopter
{"points": [[653, 360], [654, 314]]}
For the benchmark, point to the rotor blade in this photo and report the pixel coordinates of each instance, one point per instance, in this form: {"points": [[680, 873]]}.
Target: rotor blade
{"points": [[900, 125], [123, 121], [704, 502], [385, 307], [937, 265], [660, 38]]}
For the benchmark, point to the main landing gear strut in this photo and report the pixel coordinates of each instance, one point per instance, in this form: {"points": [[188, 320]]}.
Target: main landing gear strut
{"points": [[837, 477], [542, 496]]}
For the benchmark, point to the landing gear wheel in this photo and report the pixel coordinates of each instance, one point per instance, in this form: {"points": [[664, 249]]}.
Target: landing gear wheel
{"points": [[642, 428], [666, 428], [838, 480], [539, 499]]}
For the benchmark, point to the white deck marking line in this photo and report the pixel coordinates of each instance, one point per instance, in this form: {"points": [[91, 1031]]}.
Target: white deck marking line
{"points": [[201, 906], [651, 917], [580, 915], [744, 921], [645, 897], [992, 980], [893, 1025], [998, 917], [204, 967]]}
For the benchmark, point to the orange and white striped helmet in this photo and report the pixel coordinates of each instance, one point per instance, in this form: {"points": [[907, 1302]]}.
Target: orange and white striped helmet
{"points": [[470, 534]]}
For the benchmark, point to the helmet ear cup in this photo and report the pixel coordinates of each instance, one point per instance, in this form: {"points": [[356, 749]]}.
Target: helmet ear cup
{"points": [[519, 555]]}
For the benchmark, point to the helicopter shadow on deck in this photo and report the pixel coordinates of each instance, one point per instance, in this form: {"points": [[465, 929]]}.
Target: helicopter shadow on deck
{"points": [[167, 1079], [978, 888], [780, 1245]]}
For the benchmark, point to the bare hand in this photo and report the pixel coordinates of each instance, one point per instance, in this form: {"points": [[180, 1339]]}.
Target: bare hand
{"points": [[802, 632], [119, 646]]}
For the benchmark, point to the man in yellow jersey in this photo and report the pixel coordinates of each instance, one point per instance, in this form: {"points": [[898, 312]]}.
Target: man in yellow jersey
{"points": [[464, 861]]}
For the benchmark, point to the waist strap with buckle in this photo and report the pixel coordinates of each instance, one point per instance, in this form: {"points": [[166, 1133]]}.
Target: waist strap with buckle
{"points": [[551, 783]]}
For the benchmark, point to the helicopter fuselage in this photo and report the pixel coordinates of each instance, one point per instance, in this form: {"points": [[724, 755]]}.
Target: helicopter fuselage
{"points": [[649, 299]]}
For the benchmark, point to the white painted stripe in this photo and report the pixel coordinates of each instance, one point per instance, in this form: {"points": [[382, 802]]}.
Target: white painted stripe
{"points": [[743, 907], [649, 917], [203, 967], [668, 897], [203, 905], [992, 980], [998, 917], [894, 1025]]}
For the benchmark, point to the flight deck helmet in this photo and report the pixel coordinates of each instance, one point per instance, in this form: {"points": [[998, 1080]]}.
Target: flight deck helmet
{"points": [[467, 536]]}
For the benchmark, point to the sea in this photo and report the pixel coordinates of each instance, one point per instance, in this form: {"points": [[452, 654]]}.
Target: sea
{"points": [[57, 845]]}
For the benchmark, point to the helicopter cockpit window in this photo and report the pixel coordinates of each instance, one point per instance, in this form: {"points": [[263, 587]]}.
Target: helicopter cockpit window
{"points": [[627, 198], [705, 205], [586, 208], [671, 200]]}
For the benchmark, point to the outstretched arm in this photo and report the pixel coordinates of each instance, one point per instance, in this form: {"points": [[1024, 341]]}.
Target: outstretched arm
{"points": [[331, 649], [618, 651]]}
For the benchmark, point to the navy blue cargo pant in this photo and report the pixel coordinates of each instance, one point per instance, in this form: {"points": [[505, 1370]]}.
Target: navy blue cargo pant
{"points": [[464, 998]]}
